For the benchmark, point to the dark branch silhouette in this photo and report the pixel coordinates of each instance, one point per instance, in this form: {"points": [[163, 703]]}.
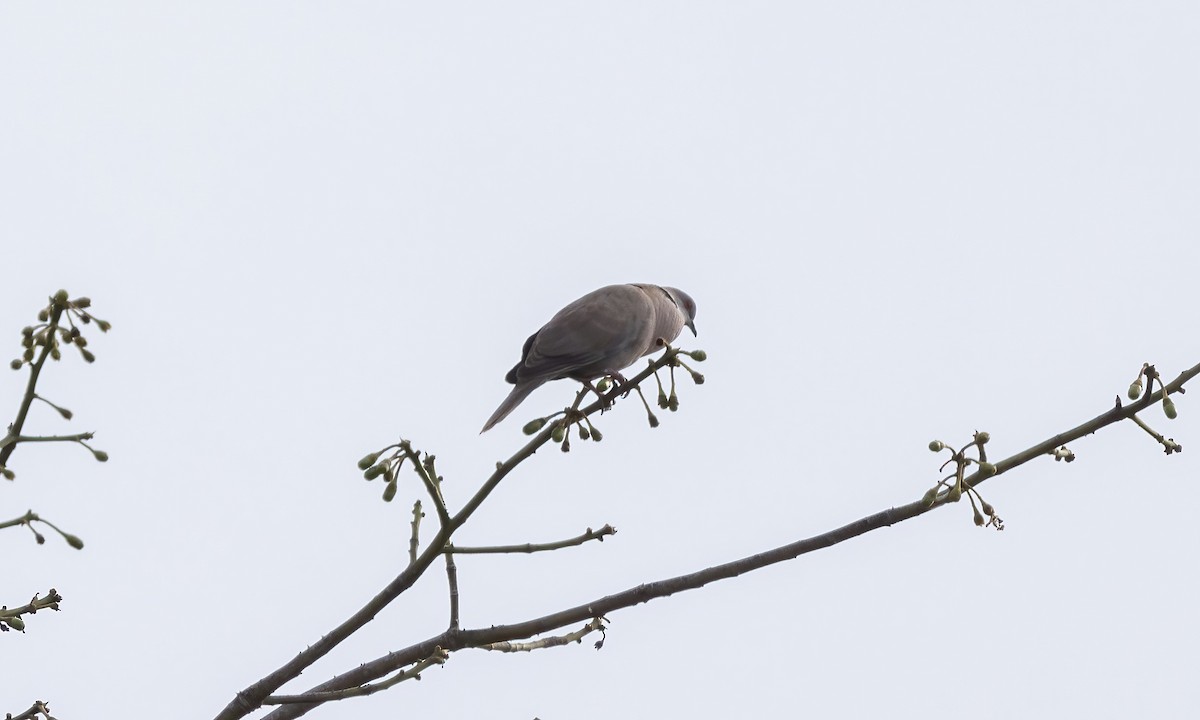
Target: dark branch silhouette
{"points": [[407, 662]]}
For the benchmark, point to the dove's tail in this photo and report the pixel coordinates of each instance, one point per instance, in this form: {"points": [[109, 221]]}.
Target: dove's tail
{"points": [[518, 394]]}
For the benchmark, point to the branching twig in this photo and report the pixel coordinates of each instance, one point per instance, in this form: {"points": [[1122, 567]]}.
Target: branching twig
{"points": [[252, 697], [30, 517], [452, 641]]}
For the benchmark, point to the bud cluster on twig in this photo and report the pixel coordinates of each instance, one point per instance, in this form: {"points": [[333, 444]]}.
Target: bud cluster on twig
{"points": [[1151, 375], [952, 487], [560, 432], [50, 334]]}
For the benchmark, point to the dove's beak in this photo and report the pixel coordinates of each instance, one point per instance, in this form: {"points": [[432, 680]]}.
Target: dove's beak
{"points": [[691, 326]]}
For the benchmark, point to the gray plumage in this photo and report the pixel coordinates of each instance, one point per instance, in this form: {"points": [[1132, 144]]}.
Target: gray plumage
{"points": [[599, 334]]}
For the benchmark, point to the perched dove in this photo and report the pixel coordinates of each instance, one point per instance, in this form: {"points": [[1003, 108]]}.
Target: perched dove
{"points": [[599, 334]]}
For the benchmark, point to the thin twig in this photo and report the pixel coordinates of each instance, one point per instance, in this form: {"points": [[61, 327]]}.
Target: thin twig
{"points": [[1169, 445], [78, 437], [35, 370], [414, 542], [534, 547], [452, 582], [553, 641], [438, 657], [29, 517], [429, 480]]}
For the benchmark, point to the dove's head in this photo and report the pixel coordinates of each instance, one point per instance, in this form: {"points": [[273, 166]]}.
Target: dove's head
{"points": [[686, 305]]}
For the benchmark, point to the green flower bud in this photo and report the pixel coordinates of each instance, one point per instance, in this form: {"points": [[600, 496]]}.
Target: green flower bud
{"points": [[978, 519], [27, 332], [954, 495], [1135, 389], [1169, 408], [43, 315], [929, 496], [55, 353], [533, 426], [15, 622], [653, 421], [104, 325], [389, 491], [558, 433], [981, 438], [596, 436], [368, 460], [80, 340], [27, 356], [16, 363], [73, 541], [987, 469], [937, 446], [100, 455], [8, 474], [60, 297], [673, 403], [698, 355], [662, 400], [583, 433], [82, 302], [697, 378], [566, 443], [375, 471], [988, 509], [87, 355]]}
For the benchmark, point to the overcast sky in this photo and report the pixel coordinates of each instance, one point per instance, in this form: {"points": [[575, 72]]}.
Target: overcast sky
{"points": [[319, 227]]}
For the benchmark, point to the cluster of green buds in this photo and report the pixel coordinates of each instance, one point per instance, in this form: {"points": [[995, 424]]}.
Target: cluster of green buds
{"points": [[560, 433], [954, 486], [1150, 373], [51, 334], [670, 400], [386, 463]]}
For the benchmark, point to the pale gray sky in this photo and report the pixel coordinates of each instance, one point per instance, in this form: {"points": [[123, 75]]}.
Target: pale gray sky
{"points": [[319, 227]]}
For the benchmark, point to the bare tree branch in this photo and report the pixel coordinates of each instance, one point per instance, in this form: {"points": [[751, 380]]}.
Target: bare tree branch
{"points": [[252, 697], [461, 639]]}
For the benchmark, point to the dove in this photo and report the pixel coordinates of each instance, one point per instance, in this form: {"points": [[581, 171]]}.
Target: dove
{"points": [[598, 335]]}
